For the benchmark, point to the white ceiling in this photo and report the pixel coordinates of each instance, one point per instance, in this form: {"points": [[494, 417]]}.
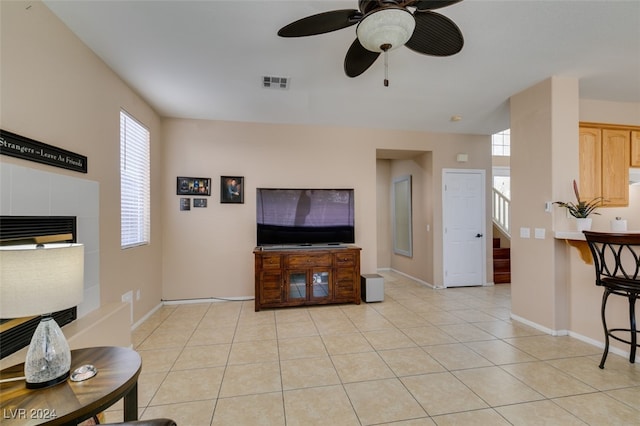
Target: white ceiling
{"points": [[206, 60]]}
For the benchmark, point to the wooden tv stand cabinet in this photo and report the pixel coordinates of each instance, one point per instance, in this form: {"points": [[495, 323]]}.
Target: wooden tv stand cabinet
{"points": [[306, 276]]}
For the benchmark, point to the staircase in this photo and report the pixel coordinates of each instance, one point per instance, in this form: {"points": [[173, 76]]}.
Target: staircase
{"points": [[501, 263], [501, 255], [501, 212]]}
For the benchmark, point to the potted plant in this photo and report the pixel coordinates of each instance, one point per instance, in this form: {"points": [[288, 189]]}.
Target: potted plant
{"points": [[581, 209]]}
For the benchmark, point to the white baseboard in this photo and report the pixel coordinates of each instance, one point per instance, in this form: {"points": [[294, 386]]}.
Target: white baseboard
{"points": [[539, 327], [207, 300], [599, 344], [418, 280], [146, 317]]}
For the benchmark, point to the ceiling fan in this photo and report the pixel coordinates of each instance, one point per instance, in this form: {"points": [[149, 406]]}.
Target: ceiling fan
{"points": [[384, 25]]}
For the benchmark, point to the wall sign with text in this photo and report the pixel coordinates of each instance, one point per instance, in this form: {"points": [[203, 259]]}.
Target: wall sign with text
{"points": [[28, 149]]}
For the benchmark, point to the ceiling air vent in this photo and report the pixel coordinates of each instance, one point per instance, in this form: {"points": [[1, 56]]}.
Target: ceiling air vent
{"points": [[270, 82]]}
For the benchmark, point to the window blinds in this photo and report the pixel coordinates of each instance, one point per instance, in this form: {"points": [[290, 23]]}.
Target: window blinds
{"points": [[135, 185]]}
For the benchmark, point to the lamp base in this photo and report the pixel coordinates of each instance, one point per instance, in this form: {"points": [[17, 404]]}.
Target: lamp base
{"points": [[52, 382], [49, 357]]}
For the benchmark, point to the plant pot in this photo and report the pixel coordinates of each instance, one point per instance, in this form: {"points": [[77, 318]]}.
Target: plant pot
{"points": [[583, 224]]}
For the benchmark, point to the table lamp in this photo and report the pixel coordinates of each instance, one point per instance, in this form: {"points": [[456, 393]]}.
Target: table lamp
{"points": [[40, 280]]}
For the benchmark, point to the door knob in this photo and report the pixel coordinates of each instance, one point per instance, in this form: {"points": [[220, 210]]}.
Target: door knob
{"points": [[478, 235]]}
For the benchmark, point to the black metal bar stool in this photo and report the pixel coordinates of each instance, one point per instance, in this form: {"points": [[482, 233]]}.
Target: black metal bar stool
{"points": [[616, 257]]}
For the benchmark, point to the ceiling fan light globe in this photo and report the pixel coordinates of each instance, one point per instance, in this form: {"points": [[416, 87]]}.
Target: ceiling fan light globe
{"points": [[384, 27]]}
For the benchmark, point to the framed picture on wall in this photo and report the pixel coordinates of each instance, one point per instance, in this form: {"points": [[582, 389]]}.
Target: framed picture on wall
{"points": [[200, 202], [193, 186], [231, 189], [185, 204]]}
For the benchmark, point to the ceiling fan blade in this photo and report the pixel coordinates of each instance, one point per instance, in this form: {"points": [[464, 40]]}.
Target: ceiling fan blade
{"points": [[321, 23], [423, 5], [358, 59], [435, 35]]}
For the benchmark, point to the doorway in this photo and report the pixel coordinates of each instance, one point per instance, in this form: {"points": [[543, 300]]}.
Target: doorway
{"points": [[464, 227]]}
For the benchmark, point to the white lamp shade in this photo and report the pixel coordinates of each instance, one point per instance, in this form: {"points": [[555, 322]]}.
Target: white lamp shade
{"points": [[385, 27], [36, 281]]}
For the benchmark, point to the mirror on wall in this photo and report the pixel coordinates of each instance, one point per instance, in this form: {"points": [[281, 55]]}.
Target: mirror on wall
{"points": [[402, 243]]}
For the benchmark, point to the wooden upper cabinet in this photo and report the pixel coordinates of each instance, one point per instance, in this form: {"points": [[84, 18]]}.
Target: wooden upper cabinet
{"points": [[590, 163], [635, 148], [605, 153], [615, 167]]}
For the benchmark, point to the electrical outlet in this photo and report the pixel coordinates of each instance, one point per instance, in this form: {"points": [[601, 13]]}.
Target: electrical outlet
{"points": [[128, 298], [138, 294]]}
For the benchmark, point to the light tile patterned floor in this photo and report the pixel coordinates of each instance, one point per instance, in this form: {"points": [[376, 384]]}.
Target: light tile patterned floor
{"points": [[421, 357]]}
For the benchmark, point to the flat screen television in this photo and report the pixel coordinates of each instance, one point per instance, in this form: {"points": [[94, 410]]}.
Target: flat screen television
{"points": [[304, 216]]}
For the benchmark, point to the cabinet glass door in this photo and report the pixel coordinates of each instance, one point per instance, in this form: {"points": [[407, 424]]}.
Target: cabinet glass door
{"points": [[320, 284], [297, 286]]}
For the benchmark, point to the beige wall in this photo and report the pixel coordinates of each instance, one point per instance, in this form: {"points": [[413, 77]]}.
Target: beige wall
{"points": [[55, 90], [544, 138], [415, 265], [208, 252], [585, 297], [543, 125], [627, 113], [552, 287], [420, 264], [383, 213], [426, 167]]}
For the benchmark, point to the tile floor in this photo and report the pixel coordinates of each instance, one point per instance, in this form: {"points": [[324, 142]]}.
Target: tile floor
{"points": [[421, 357]]}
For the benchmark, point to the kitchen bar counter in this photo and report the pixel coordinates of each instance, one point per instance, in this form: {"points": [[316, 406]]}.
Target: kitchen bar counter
{"points": [[577, 239], [569, 235]]}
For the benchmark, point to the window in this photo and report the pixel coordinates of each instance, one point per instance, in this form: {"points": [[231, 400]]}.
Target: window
{"points": [[135, 185], [501, 143]]}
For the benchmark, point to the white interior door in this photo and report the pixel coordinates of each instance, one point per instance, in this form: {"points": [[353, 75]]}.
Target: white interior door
{"points": [[464, 229]]}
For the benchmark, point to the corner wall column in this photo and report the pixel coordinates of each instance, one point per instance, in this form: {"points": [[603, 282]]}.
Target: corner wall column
{"points": [[544, 161]]}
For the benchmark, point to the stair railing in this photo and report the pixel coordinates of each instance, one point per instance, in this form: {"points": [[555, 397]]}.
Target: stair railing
{"points": [[501, 206]]}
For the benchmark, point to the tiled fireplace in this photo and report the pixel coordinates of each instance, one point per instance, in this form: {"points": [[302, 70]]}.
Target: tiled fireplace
{"points": [[16, 333], [27, 192]]}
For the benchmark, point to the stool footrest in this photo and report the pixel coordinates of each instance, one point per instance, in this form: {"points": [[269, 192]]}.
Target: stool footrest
{"points": [[620, 339]]}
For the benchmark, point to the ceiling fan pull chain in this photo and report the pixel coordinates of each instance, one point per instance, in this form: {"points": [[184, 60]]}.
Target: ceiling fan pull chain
{"points": [[386, 69]]}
